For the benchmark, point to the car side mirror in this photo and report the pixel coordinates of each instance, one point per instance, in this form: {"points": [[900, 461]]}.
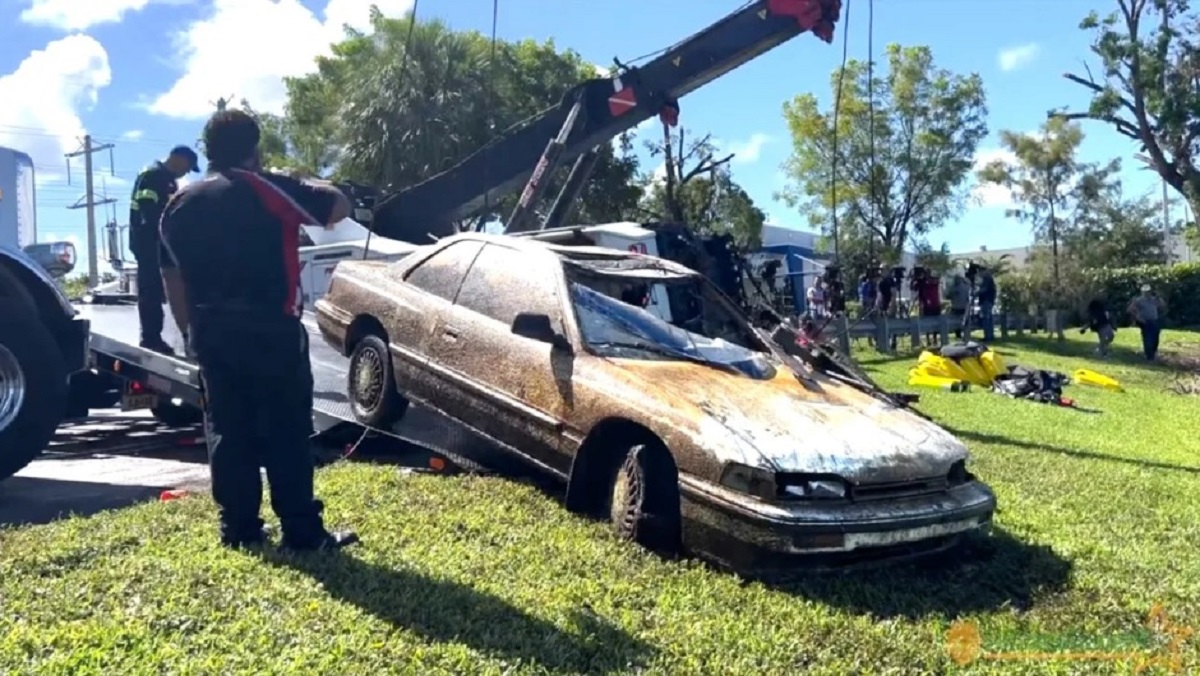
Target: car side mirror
{"points": [[538, 327]]}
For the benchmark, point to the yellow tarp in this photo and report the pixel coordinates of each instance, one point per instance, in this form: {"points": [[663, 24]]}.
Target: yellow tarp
{"points": [[934, 370]]}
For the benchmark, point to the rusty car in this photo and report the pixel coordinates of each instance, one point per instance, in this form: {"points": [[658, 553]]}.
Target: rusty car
{"points": [[684, 425]]}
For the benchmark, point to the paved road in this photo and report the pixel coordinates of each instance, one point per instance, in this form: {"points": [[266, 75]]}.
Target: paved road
{"points": [[108, 461]]}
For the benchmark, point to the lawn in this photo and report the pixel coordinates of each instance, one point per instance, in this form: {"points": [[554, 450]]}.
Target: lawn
{"points": [[1097, 524]]}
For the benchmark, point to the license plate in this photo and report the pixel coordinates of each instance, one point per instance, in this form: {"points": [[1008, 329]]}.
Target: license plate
{"points": [[137, 402]]}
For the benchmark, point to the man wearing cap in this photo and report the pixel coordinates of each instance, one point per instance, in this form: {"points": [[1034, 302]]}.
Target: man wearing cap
{"points": [[1147, 308], [158, 279]]}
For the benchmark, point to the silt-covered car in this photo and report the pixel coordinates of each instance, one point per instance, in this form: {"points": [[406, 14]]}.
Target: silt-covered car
{"points": [[681, 422]]}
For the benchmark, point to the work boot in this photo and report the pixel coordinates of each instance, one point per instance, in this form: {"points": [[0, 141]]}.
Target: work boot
{"points": [[251, 540], [326, 542], [158, 345]]}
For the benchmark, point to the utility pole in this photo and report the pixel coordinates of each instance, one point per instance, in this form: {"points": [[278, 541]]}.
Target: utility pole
{"points": [[89, 202]]}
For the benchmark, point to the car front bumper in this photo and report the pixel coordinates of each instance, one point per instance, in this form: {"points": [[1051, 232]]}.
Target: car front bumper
{"points": [[332, 323], [745, 532]]}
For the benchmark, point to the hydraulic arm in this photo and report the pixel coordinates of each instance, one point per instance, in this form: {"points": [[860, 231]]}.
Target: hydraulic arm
{"points": [[590, 114]]}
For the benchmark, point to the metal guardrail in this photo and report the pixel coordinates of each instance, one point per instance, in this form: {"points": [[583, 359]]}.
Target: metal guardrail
{"points": [[886, 332]]}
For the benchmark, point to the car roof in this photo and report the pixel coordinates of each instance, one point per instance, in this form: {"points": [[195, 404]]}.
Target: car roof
{"points": [[596, 259]]}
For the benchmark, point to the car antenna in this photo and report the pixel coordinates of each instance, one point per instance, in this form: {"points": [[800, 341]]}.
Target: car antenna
{"points": [[412, 24]]}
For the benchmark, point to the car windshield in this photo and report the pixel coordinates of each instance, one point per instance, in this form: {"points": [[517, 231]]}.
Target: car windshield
{"points": [[621, 326]]}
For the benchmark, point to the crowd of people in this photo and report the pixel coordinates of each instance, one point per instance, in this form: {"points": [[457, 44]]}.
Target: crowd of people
{"points": [[973, 294]]}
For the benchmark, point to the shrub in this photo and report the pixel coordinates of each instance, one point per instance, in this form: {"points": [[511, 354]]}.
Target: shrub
{"points": [[1178, 284]]}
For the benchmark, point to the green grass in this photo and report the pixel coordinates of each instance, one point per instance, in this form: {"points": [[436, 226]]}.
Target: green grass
{"points": [[1097, 523]]}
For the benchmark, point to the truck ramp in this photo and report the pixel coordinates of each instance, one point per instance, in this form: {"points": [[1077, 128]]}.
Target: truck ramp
{"points": [[114, 347]]}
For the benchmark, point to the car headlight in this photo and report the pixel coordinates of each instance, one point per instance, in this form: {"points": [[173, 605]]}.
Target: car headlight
{"points": [[959, 474], [768, 485], [754, 481]]}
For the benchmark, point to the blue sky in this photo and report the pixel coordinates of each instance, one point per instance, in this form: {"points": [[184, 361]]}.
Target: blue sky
{"points": [[142, 74]]}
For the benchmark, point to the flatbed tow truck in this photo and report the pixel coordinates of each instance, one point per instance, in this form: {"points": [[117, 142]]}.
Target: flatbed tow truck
{"points": [[589, 115]]}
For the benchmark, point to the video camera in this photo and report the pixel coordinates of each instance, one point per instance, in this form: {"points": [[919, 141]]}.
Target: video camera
{"points": [[898, 273], [835, 298], [919, 273], [832, 275], [973, 270]]}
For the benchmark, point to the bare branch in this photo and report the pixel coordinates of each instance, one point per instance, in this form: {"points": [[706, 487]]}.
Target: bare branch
{"points": [[706, 165], [1123, 126]]}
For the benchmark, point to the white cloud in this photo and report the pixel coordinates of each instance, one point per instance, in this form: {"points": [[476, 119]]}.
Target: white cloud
{"points": [[750, 150], [251, 62], [73, 15], [988, 194], [1014, 58], [133, 135], [42, 97]]}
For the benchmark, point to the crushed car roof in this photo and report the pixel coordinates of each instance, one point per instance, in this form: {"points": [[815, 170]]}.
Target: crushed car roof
{"points": [[595, 260]]}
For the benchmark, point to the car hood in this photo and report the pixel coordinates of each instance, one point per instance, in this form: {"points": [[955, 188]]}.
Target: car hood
{"points": [[784, 424]]}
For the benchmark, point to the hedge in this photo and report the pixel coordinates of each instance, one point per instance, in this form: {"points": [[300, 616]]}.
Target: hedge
{"points": [[1178, 284]]}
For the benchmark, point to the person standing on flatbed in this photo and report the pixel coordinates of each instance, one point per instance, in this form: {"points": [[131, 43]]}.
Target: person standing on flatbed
{"points": [[156, 272], [235, 235]]}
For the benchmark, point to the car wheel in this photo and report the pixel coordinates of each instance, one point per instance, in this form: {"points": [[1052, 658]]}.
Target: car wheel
{"points": [[374, 399], [33, 388], [181, 415], [644, 500]]}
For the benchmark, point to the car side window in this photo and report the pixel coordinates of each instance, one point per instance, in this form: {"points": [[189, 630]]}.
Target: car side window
{"points": [[442, 273], [504, 282]]}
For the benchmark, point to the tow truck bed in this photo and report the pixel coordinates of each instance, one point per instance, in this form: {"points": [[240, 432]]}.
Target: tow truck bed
{"points": [[114, 349]]}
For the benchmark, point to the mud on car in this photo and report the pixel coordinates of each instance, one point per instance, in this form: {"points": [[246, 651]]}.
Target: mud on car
{"points": [[682, 423]]}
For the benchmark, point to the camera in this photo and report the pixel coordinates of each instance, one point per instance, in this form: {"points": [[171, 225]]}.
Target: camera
{"points": [[919, 273], [898, 273], [832, 275], [972, 272]]}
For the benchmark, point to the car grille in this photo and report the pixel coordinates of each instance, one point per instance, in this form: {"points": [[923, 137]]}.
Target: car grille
{"points": [[899, 489]]}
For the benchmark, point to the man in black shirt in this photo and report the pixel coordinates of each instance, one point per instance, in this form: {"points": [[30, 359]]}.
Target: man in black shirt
{"points": [[153, 187], [235, 235]]}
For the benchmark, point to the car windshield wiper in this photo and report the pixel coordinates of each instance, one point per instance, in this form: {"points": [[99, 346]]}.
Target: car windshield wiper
{"points": [[659, 350]]}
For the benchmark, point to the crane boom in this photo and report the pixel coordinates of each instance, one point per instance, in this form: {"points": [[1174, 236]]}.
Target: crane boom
{"points": [[592, 113]]}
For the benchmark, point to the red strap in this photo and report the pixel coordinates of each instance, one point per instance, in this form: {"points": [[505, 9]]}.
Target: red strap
{"points": [[281, 205], [278, 203]]}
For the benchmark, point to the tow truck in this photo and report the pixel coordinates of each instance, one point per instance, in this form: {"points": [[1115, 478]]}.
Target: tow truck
{"points": [[589, 115]]}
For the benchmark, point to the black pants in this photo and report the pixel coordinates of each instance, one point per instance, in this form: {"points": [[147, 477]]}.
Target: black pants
{"points": [[959, 316], [150, 293], [259, 395], [1151, 331]]}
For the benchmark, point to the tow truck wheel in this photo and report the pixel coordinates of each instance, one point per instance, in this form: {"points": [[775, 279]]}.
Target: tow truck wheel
{"points": [[33, 388], [374, 399], [644, 500]]}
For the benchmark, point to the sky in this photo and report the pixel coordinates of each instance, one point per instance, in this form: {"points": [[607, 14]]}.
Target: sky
{"points": [[143, 75]]}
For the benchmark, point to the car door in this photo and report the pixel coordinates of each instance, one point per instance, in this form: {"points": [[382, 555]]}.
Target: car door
{"points": [[522, 388], [418, 303]]}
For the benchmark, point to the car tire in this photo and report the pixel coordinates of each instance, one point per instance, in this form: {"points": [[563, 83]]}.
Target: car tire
{"points": [[643, 500], [33, 388], [177, 415], [371, 384]]}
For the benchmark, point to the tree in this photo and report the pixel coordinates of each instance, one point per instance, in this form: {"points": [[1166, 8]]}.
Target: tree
{"points": [[936, 261], [1112, 230], [906, 142], [375, 115], [1149, 87], [698, 189], [1047, 180]]}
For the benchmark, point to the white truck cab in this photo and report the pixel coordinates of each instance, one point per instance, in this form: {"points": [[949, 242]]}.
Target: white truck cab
{"points": [[320, 251]]}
